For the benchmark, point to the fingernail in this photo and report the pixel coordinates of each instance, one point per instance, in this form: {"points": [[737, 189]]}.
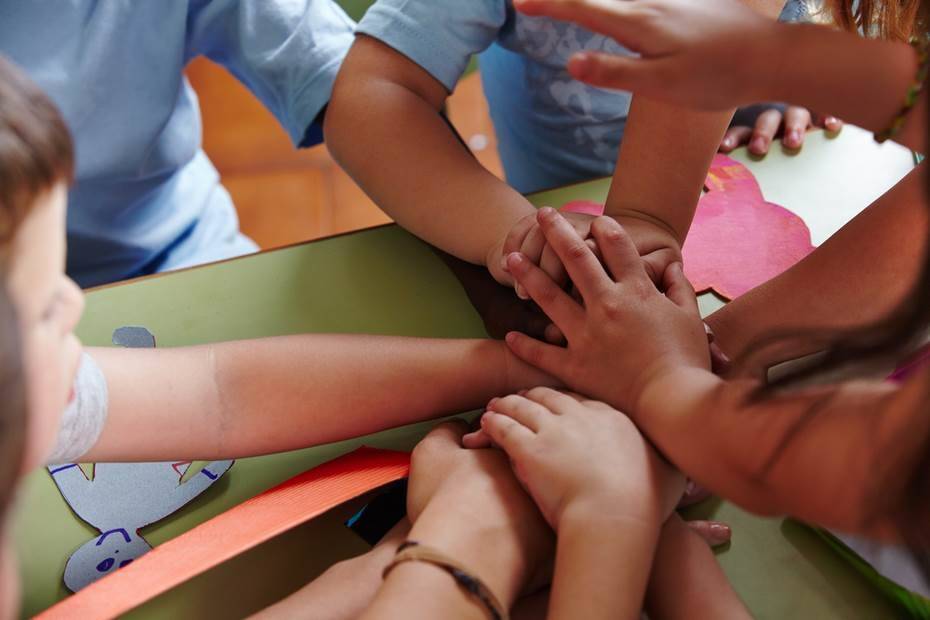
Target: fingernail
{"points": [[492, 402], [522, 393], [578, 64], [728, 143], [794, 138], [720, 533], [510, 338], [758, 145], [547, 214]]}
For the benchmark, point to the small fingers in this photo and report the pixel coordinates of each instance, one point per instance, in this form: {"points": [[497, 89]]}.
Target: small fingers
{"points": [[506, 433], [679, 289], [580, 262], [561, 309], [552, 266], [797, 122], [477, 440], [532, 248], [548, 358], [714, 533], [618, 251], [830, 123], [735, 136], [527, 412], [609, 71], [767, 125], [554, 335], [517, 234], [552, 400]]}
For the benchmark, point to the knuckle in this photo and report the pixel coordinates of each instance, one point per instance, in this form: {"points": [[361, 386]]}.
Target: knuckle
{"points": [[577, 250], [612, 309], [538, 392]]}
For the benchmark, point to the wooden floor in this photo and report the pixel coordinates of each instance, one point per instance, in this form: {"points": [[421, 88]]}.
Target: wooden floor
{"points": [[285, 196]]}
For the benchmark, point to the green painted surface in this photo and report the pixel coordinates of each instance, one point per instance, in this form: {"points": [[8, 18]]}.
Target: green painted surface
{"points": [[355, 8], [385, 281]]}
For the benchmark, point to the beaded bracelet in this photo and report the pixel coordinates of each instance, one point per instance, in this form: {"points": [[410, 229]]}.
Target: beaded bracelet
{"points": [[412, 551], [922, 47]]}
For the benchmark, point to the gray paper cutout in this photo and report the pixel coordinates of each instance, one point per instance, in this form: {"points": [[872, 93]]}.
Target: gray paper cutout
{"points": [[123, 498]]}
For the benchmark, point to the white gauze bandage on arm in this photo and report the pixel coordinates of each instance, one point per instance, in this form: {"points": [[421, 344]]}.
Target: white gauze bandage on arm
{"points": [[84, 418]]}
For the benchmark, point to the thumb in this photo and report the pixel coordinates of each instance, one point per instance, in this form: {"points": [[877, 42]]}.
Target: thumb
{"points": [[678, 289], [447, 436], [714, 533], [608, 71]]}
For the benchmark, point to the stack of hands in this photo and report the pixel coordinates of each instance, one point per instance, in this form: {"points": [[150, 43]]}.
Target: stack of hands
{"points": [[547, 461]]}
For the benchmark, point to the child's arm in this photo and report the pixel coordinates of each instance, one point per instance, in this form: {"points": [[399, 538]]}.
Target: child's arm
{"points": [[602, 565], [467, 505], [687, 581], [255, 397], [661, 168], [773, 454], [601, 486], [855, 278], [716, 54], [385, 128]]}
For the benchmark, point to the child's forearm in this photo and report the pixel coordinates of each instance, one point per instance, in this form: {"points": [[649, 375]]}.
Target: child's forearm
{"points": [[782, 454], [859, 275], [663, 163], [665, 155], [602, 565], [862, 81], [687, 581], [384, 127], [256, 397], [491, 553]]}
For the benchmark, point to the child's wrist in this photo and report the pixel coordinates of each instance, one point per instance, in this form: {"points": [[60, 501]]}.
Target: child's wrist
{"points": [[493, 552], [609, 509], [767, 59]]}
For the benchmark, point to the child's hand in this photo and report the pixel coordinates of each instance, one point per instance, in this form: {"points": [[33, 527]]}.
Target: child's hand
{"points": [[468, 504], [626, 332], [575, 454], [707, 54], [526, 237], [758, 126], [657, 246]]}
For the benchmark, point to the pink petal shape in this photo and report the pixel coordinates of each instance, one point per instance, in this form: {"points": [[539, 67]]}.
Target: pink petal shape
{"points": [[737, 240]]}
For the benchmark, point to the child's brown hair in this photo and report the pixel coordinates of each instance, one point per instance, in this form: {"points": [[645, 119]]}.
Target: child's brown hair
{"points": [[897, 20], [36, 151]]}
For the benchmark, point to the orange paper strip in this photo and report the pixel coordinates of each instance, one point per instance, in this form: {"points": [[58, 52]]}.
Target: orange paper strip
{"points": [[237, 530]]}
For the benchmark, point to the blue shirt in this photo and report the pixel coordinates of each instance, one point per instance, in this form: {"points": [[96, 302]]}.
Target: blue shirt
{"points": [[551, 129], [146, 197]]}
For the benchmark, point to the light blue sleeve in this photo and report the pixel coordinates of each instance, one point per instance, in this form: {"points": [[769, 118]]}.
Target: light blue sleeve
{"points": [[287, 52], [795, 11], [439, 35]]}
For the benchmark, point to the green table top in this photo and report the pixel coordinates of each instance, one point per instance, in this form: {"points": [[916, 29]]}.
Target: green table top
{"points": [[385, 281]]}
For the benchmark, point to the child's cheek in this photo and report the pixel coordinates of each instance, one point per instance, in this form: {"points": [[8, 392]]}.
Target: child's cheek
{"points": [[9, 577]]}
